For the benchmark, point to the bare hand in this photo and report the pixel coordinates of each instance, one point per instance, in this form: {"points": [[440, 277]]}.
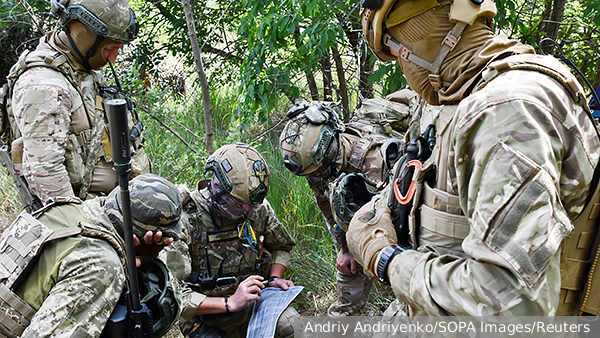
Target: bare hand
{"points": [[283, 284], [345, 262], [149, 246], [248, 290]]}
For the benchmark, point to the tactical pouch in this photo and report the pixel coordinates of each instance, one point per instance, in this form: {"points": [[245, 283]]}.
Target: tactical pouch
{"points": [[74, 161], [140, 163]]}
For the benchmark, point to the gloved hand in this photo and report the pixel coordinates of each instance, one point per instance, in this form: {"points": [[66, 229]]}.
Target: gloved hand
{"points": [[368, 233]]}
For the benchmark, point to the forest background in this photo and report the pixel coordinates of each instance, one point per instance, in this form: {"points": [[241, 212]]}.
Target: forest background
{"points": [[209, 72]]}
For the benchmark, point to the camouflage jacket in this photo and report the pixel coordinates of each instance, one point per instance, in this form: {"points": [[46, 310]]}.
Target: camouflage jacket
{"points": [[372, 168], [76, 281], [520, 158], [57, 122], [228, 254]]}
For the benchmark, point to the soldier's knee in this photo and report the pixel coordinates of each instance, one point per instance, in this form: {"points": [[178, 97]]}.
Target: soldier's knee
{"points": [[285, 326]]}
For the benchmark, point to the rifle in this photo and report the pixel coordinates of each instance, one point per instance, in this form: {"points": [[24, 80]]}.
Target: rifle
{"points": [[31, 202], [138, 317]]}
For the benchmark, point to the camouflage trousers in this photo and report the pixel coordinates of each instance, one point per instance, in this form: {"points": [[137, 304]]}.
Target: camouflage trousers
{"points": [[235, 325], [353, 294]]}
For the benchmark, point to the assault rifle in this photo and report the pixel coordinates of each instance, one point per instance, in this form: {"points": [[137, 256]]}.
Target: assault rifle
{"points": [[30, 201], [136, 318]]}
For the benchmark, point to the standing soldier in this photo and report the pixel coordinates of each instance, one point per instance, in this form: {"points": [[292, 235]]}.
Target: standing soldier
{"points": [[59, 131], [233, 246], [500, 222], [317, 145]]}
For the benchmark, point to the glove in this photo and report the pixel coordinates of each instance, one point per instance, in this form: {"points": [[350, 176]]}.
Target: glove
{"points": [[369, 233]]}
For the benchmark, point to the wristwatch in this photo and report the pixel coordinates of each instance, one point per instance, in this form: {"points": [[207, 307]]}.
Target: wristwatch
{"points": [[384, 261]]}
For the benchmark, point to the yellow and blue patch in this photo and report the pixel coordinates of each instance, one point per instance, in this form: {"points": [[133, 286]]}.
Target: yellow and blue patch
{"points": [[260, 170]]}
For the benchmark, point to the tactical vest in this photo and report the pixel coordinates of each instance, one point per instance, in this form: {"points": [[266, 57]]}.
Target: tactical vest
{"points": [[20, 244], [220, 252], [437, 220], [88, 136]]}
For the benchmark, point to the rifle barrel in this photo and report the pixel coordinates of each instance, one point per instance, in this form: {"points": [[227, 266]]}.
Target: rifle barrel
{"points": [[119, 140]]}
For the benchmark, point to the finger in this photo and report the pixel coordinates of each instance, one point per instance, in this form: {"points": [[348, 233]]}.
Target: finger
{"points": [[138, 261], [136, 241], [158, 237], [353, 267], [167, 241], [148, 237]]}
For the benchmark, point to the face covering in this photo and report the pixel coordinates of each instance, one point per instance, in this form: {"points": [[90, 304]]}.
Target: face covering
{"points": [[478, 47], [225, 204]]}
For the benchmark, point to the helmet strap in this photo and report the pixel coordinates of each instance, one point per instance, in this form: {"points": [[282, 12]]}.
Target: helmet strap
{"points": [[211, 204], [85, 59]]}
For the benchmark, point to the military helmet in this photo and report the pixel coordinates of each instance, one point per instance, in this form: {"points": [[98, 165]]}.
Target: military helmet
{"points": [[348, 193], [242, 172], [160, 293], [305, 139], [155, 205], [113, 19]]}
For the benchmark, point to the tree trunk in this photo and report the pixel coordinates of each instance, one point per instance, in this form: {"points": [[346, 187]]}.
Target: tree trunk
{"points": [[366, 69], [343, 88], [312, 85], [189, 18], [552, 17], [327, 79]]}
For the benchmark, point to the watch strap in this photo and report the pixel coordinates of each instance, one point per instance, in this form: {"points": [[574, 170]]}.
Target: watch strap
{"points": [[384, 261]]}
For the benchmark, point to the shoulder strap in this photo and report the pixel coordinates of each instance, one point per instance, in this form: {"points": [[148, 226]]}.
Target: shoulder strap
{"points": [[541, 63]]}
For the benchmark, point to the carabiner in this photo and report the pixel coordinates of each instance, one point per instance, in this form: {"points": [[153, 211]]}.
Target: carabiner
{"points": [[404, 200]]}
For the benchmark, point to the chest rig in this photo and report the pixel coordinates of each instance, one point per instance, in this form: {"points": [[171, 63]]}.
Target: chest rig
{"points": [[88, 135], [223, 254], [433, 216]]}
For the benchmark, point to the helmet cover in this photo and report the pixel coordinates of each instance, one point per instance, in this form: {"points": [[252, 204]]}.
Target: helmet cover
{"points": [[113, 19], [242, 172], [155, 206], [305, 139]]}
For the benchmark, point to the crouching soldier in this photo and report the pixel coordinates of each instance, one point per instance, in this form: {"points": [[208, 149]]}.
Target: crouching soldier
{"points": [[234, 245], [76, 257]]}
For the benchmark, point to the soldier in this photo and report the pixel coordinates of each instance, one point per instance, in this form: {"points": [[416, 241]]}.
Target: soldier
{"points": [[79, 274], [499, 210], [317, 145], [59, 131], [233, 244]]}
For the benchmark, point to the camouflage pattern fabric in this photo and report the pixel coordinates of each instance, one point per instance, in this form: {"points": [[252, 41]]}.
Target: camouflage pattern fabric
{"points": [[76, 282], [54, 115], [155, 206], [353, 291], [522, 154], [197, 226]]}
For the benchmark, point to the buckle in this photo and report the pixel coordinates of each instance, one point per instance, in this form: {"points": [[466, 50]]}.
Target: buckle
{"points": [[436, 82], [450, 40]]}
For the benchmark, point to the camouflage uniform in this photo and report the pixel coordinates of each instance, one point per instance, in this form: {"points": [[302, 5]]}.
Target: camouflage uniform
{"points": [[228, 256], [59, 123], [519, 158], [353, 290], [77, 281]]}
